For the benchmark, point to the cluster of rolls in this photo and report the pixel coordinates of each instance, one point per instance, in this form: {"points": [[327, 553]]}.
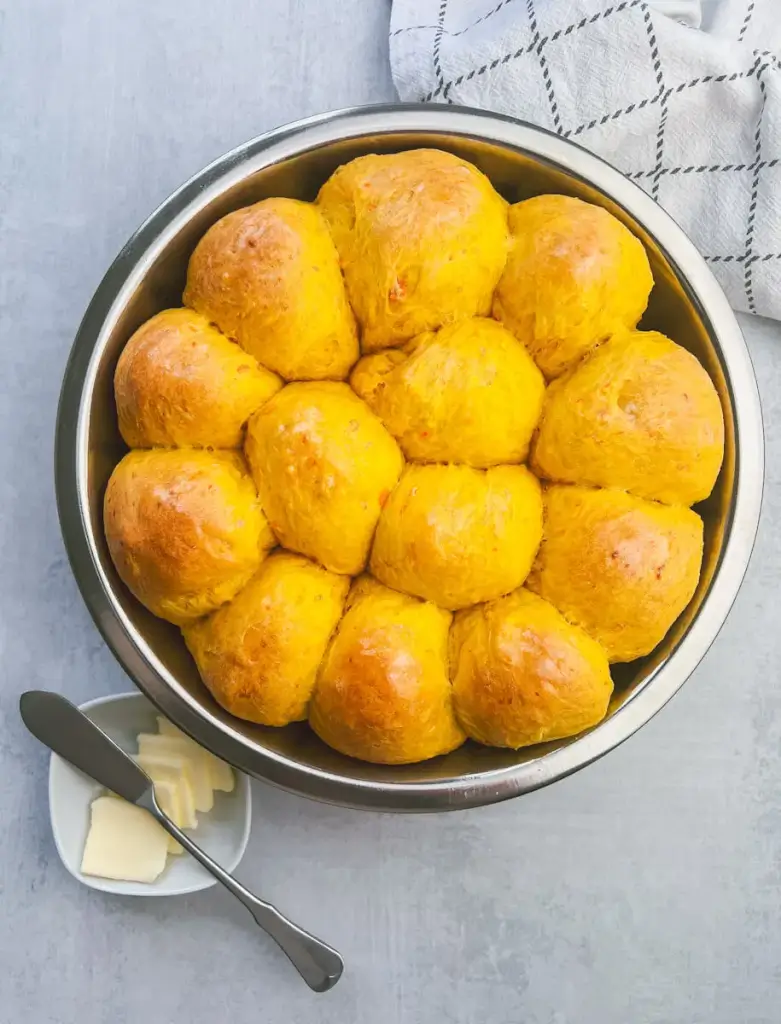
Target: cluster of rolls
{"points": [[403, 466]]}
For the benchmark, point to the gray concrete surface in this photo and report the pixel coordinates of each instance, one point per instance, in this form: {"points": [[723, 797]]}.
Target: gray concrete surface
{"points": [[645, 889]]}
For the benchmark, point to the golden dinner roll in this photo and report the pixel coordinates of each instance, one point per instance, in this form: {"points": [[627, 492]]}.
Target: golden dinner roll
{"points": [[456, 535], [383, 692], [268, 276], [523, 675], [574, 276], [184, 529], [620, 567], [259, 654], [422, 237], [468, 393], [181, 383], [324, 465], [639, 413]]}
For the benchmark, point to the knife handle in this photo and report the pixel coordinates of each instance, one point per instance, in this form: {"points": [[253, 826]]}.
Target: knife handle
{"points": [[318, 964]]}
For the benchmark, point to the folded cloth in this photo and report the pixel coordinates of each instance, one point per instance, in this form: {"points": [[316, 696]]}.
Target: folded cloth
{"points": [[681, 95]]}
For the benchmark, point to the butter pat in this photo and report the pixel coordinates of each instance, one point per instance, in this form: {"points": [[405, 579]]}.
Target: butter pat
{"points": [[161, 768], [197, 770], [167, 795], [221, 774], [169, 801], [124, 843]]}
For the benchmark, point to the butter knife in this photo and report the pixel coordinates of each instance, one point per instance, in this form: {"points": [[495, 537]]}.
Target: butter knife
{"points": [[68, 732]]}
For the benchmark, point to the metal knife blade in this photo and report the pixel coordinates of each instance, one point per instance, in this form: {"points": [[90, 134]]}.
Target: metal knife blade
{"points": [[68, 732]]}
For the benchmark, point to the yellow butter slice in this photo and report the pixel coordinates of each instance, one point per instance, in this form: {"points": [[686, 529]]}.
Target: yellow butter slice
{"points": [[203, 794], [222, 776], [124, 842], [169, 768]]}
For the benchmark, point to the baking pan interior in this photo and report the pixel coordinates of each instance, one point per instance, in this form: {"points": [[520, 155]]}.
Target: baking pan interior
{"points": [[516, 175]]}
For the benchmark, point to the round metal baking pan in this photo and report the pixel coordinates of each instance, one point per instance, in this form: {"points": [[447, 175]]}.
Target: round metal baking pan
{"points": [[148, 275]]}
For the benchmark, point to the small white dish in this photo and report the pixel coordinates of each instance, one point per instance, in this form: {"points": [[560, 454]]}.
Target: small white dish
{"points": [[223, 832]]}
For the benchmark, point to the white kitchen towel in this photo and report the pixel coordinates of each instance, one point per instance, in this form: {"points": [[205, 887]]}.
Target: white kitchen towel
{"points": [[684, 96]]}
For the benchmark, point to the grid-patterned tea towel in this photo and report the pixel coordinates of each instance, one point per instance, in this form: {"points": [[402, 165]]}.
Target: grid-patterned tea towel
{"points": [[684, 96]]}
